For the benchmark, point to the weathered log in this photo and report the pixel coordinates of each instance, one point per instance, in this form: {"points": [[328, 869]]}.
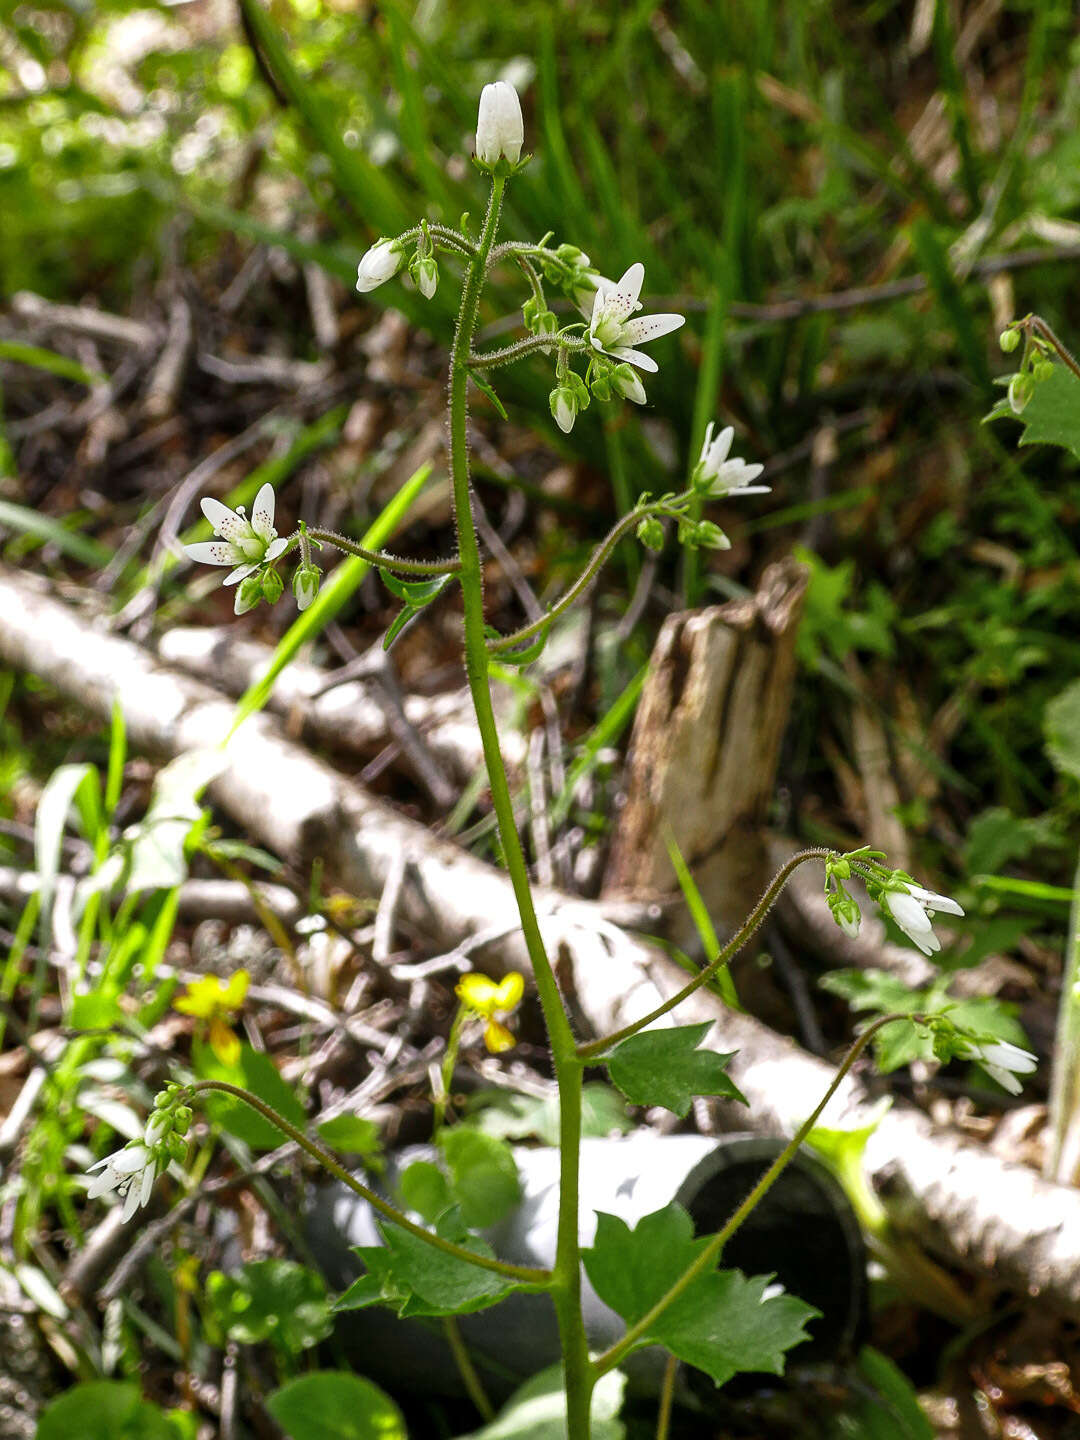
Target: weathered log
{"points": [[966, 1204]]}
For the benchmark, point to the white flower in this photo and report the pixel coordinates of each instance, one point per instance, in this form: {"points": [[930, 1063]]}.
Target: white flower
{"points": [[130, 1171], [1002, 1062], [611, 329], [913, 908], [721, 476], [500, 130], [243, 543], [378, 264]]}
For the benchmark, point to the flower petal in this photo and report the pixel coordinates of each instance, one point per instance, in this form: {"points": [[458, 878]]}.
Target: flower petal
{"points": [[149, 1175], [907, 912], [933, 901], [497, 1037], [262, 512], [275, 548], [634, 357], [477, 991], [240, 573], [131, 1199], [226, 522], [211, 552], [1004, 1078], [623, 299], [1009, 1057], [508, 994], [102, 1184], [130, 1159], [651, 327]]}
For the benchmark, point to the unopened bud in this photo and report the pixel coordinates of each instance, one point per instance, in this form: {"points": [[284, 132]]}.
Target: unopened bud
{"points": [[306, 585], [1021, 389], [427, 276], [248, 594], [272, 586], [651, 533], [564, 407], [1009, 340]]}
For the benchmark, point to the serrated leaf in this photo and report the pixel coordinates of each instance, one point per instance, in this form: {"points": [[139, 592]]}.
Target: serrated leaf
{"points": [[722, 1323], [1052, 415], [417, 1279], [335, 1405], [665, 1067], [510, 1116], [483, 1174]]}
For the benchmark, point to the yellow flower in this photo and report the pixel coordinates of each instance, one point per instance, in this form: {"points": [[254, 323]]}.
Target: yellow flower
{"points": [[486, 999], [212, 999]]}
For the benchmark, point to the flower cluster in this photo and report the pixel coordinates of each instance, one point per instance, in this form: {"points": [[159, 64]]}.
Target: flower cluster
{"points": [[1036, 362], [907, 904], [131, 1171], [485, 998], [250, 546]]}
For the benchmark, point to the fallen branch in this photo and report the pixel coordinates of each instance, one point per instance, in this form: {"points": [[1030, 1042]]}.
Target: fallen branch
{"points": [[961, 1201]]}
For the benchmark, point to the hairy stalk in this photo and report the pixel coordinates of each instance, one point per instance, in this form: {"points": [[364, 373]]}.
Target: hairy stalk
{"points": [[667, 508], [593, 1052], [445, 234], [565, 1281], [491, 359], [384, 1208], [382, 558], [711, 1253], [1037, 323]]}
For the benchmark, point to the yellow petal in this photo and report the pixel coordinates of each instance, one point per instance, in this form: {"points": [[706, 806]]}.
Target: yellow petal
{"points": [[200, 998], [235, 991], [498, 1038], [508, 994], [224, 1042], [478, 992]]}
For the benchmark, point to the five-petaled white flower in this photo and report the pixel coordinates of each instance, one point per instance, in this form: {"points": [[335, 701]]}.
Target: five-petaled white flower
{"points": [[720, 476], [1002, 1061], [130, 1171], [500, 130], [378, 264], [243, 543], [913, 908], [611, 329]]}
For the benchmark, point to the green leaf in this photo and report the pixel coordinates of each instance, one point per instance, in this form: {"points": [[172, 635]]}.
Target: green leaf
{"points": [[721, 1323], [1052, 415], [722, 982], [510, 1116], [256, 1072], [891, 1410], [528, 653], [487, 389], [83, 548], [275, 1300], [103, 1410], [416, 593], [538, 1410], [400, 620], [352, 1134], [1061, 726], [48, 360], [417, 1279], [334, 1405], [483, 1174], [665, 1067], [424, 1188]]}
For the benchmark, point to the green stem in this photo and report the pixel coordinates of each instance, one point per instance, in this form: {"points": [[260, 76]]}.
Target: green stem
{"points": [[667, 1397], [386, 1210], [474, 1386], [491, 359], [594, 1051], [669, 508], [453, 239], [1036, 322], [711, 1253], [566, 1276], [453, 1044], [381, 558]]}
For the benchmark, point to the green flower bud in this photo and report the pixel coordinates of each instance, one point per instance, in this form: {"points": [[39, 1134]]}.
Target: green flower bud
{"points": [[564, 407], [272, 586], [248, 594], [425, 272], [711, 536], [651, 533], [1009, 340], [306, 585], [1021, 389], [1042, 370]]}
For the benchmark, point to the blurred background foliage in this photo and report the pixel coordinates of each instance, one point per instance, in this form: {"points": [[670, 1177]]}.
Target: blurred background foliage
{"points": [[757, 157]]}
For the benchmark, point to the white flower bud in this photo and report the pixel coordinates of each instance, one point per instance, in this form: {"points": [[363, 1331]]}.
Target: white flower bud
{"points": [[427, 277], [564, 408], [379, 264], [500, 130]]}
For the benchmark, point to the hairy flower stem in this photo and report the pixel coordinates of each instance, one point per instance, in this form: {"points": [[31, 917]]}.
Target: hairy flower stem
{"points": [[670, 509], [380, 558], [593, 1052], [711, 1253], [384, 1208], [565, 1282]]}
